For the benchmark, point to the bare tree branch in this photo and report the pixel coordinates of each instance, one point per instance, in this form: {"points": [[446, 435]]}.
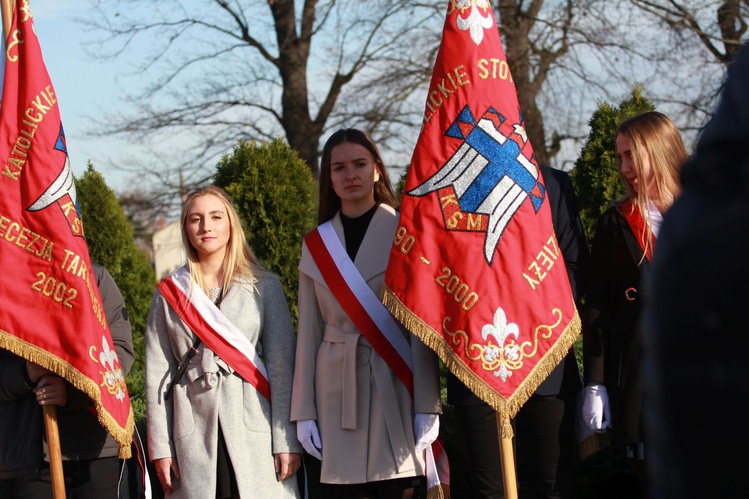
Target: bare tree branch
{"points": [[212, 72]]}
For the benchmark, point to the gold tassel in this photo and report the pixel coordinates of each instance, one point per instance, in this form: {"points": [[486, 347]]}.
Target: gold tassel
{"points": [[125, 452], [436, 493], [593, 443], [505, 428]]}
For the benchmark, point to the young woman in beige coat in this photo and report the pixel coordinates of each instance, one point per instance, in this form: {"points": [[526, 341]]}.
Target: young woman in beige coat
{"points": [[352, 411]]}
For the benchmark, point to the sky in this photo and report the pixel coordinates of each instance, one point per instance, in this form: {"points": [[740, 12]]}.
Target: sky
{"points": [[87, 87], [83, 86]]}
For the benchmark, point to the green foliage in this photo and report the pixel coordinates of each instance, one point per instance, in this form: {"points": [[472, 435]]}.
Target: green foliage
{"points": [[401, 185], [276, 197], [596, 172], [110, 241]]}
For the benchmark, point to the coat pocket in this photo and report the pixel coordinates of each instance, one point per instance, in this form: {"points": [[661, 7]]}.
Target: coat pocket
{"points": [[257, 411]]}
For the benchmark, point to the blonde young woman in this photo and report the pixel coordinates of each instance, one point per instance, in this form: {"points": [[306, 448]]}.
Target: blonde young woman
{"points": [[219, 366], [354, 412], [651, 153]]}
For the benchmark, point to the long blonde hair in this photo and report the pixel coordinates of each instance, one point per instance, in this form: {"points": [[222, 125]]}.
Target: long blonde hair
{"points": [[658, 153], [239, 260]]}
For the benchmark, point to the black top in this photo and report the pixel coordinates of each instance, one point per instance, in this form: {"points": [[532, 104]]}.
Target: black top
{"points": [[354, 230]]}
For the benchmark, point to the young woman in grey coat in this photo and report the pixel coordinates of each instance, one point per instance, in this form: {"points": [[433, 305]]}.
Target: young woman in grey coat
{"points": [[220, 426]]}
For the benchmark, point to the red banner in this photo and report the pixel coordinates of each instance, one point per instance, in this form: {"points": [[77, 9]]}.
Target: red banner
{"points": [[475, 270], [52, 313]]}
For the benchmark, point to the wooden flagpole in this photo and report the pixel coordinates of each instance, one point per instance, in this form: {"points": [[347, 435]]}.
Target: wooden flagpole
{"points": [[55, 453], [507, 456], [50, 411], [7, 11]]}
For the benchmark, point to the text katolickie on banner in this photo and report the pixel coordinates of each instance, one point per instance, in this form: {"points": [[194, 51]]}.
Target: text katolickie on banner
{"points": [[53, 313], [475, 270]]}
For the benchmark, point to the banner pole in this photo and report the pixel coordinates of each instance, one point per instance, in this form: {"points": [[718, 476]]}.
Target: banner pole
{"points": [[508, 459], [7, 11], [55, 453]]}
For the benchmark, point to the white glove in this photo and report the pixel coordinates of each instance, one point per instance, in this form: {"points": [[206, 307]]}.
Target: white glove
{"points": [[426, 430], [596, 410], [309, 437]]}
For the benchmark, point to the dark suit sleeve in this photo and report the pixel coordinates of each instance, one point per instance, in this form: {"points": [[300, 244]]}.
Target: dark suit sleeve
{"points": [[610, 256], [13, 383], [568, 227], [117, 317]]}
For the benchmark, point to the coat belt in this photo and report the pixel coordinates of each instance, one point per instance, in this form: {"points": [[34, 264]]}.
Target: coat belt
{"points": [[383, 383]]}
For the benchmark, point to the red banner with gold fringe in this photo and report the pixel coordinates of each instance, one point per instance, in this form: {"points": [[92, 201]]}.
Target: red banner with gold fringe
{"points": [[475, 270], [52, 313]]}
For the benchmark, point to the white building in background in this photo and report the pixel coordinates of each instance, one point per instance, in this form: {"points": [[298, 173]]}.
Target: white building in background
{"points": [[168, 255]]}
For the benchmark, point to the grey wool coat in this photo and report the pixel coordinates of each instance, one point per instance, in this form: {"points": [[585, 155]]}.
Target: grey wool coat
{"points": [[339, 377], [210, 395]]}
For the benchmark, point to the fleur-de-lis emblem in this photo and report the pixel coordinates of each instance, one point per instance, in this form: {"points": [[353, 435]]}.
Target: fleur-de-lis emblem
{"points": [[500, 330], [112, 376], [107, 355], [475, 23], [500, 353]]}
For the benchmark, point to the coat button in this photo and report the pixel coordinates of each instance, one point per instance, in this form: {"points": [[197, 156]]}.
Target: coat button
{"points": [[363, 359]]}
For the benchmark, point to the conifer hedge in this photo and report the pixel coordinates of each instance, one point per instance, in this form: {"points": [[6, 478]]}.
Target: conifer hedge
{"points": [[276, 196], [111, 243]]}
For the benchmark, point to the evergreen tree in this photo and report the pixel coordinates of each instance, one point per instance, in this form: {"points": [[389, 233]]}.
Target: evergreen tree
{"points": [[276, 196], [596, 172], [111, 243], [401, 185]]}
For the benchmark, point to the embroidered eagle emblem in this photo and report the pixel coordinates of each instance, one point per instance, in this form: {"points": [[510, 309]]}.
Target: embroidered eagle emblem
{"points": [[62, 191], [492, 173]]}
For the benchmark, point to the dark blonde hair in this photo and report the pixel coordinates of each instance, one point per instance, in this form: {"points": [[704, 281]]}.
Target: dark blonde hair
{"points": [[239, 260], [658, 153], [329, 202]]}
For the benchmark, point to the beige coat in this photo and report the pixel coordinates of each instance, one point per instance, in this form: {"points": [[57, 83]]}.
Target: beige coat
{"points": [[364, 413]]}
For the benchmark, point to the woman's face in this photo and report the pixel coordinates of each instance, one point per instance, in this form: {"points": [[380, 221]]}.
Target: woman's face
{"points": [[353, 175], [626, 163], [208, 226], [627, 168]]}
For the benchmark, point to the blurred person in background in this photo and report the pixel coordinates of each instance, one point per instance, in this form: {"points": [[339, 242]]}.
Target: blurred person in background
{"points": [[696, 344], [651, 153]]}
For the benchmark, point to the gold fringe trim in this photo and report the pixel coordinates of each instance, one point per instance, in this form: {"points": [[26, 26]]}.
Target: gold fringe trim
{"points": [[436, 492], [504, 406], [593, 443], [37, 355]]}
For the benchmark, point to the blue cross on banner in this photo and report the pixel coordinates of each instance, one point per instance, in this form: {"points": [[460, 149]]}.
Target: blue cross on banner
{"points": [[489, 172]]}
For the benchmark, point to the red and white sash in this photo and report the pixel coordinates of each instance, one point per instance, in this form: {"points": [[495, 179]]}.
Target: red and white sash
{"points": [[359, 301], [205, 319], [637, 223], [373, 320]]}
